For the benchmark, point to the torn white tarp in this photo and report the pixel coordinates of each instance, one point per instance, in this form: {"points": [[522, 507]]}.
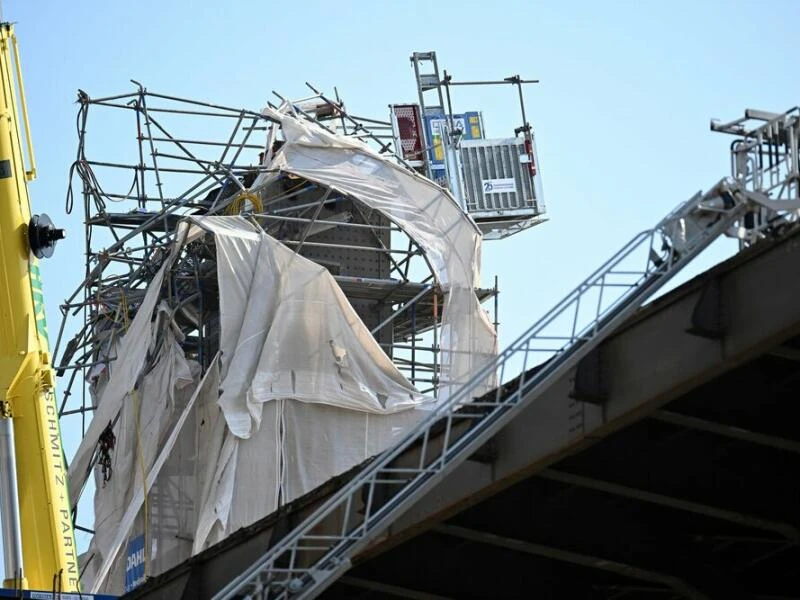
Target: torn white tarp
{"points": [[148, 459], [133, 349], [306, 391], [124, 373], [426, 212], [303, 393], [298, 447], [144, 418], [288, 331]]}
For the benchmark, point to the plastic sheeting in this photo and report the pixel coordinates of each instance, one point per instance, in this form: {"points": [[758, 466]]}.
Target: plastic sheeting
{"points": [[133, 346], [288, 331], [299, 446], [427, 213], [143, 421], [149, 458], [252, 436], [291, 338]]}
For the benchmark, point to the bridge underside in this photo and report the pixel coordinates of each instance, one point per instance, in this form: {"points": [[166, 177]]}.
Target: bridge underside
{"points": [[665, 466], [698, 500]]}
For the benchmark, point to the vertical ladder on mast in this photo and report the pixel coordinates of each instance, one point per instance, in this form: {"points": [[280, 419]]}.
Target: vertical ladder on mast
{"points": [[320, 549], [427, 82], [426, 72]]}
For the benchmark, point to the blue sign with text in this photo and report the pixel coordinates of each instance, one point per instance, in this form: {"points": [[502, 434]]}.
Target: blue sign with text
{"points": [[470, 124], [134, 565]]}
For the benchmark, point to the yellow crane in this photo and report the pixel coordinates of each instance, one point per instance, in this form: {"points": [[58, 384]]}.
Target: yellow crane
{"points": [[38, 539]]}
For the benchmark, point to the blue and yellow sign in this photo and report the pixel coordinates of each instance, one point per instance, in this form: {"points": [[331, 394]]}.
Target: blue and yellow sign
{"points": [[470, 124]]}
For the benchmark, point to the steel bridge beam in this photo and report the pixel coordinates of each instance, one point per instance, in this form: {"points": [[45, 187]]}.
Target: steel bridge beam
{"points": [[786, 352], [385, 588], [593, 562], [729, 431], [784, 529]]}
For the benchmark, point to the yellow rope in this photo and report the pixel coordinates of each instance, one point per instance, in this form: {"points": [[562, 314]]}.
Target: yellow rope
{"points": [[123, 307], [238, 204], [146, 511]]}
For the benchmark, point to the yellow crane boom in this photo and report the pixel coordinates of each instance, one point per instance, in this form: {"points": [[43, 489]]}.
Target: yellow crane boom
{"points": [[38, 539]]}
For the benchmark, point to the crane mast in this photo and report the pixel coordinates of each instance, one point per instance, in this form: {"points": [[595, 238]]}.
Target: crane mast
{"points": [[38, 538]]}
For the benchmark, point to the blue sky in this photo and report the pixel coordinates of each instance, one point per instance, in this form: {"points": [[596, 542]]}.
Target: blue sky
{"points": [[621, 114]]}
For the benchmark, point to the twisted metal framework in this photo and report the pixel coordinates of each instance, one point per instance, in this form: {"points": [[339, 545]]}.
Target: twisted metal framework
{"points": [[198, 158]]}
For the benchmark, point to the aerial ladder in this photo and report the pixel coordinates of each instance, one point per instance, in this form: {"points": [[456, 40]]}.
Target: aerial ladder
{"points": [[321, 548], [38, 539]]}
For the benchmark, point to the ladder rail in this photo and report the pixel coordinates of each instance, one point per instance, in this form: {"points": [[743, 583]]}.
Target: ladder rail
{"points": [[416, 59], [310, 577], [426, 109]]}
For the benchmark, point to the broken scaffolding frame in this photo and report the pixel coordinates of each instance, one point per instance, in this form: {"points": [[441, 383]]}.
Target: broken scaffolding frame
{"points": [[196, 158]]}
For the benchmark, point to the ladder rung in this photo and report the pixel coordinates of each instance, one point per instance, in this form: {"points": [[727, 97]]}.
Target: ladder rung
{"points": [[391, 481], [429, 81]]}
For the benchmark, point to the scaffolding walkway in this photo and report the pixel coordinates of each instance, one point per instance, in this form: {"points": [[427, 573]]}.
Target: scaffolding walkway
{"points": [[320, 549]]}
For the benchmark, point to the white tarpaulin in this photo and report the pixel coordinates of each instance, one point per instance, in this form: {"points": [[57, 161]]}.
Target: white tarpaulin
{"points": [[303, 393], [289, 337], [427, 213], [288, 331], [134, 346], [124, 373], [111, 534], [143, 421], [298, 447]]}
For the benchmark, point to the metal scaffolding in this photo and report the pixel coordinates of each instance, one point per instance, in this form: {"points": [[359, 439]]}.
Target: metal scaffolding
{"points": [[196, 158]]}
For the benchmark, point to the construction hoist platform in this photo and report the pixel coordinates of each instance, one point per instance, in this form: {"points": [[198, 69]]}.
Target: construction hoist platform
{"points": [[496, 181], [312, 556]]}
